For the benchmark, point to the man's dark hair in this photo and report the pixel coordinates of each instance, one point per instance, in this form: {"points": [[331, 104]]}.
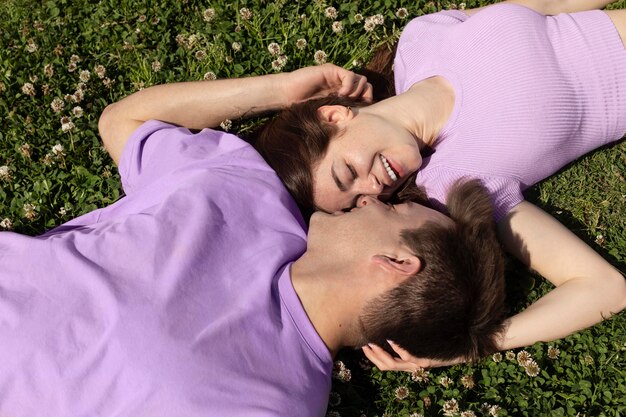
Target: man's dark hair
{"points": [[454, 307]]}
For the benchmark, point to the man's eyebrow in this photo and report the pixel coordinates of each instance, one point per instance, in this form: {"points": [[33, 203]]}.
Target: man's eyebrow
{"points": [[337, 181]]}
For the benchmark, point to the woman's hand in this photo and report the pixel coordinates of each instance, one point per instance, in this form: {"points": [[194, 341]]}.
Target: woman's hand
{"points": [[324, 80], [406, 362]]}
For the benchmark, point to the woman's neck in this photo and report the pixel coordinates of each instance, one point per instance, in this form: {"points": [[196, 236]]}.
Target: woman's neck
{"points": [[423, 110]]}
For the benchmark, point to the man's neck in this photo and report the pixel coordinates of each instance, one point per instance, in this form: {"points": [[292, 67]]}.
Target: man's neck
{"points": [[324, 304]]}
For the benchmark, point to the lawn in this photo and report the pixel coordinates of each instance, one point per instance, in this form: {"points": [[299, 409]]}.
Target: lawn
{"points": [[62, 62]]}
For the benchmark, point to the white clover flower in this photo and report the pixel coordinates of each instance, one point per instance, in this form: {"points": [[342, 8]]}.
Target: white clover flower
{"points": [[48, 70], [462, 6], [142, 18], [210, 76], [33, 78], [45, 89], [58, 150], [156, 66], [445, 381], [74, 59], [378, 19], [553, 353], [107, 82], [427, 401], [62, 211], [200, 55], [100, 71], [5, 173], [497, 357], [523, 357], [31, 46], [420, 375], [85, 76], [78, 96], [301, 43], [3, 87], [77, 111], [468, 381], [226, 125], [510, 355], [341, 372], [25, 150], [236, 46], [274, 49], [330, 12], [369, 26], [279, 63], [71, 67], [402, 13], [66, 124], [57, 105], [358, 17], [28, 89], [30, 211], [468, 413], [531, 368], [337, 26], [494, 410], [208, 15], [402, 392], [416, 415], [320, 57], [245, 13], [450, 407], [6, 224]]}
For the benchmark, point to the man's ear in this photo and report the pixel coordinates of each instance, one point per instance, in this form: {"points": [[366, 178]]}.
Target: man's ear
{"points": [[334, 113], [407, 266]]}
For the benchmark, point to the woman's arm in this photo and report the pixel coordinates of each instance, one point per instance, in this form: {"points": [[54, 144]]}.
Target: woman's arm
{"points": [[201, 104], [554, 7], [588, 289]]}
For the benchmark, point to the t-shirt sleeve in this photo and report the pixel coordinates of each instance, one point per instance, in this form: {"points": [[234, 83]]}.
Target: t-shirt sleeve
{"points": [[420, 45], [505, 193], [157, 148]]}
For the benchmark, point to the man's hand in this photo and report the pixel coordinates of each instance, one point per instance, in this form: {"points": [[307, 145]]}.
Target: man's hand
{"points": [[406, 362], [323, 80]]}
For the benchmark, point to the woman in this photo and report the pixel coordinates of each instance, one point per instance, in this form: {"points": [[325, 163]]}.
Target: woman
{"points": [[502, 93]]}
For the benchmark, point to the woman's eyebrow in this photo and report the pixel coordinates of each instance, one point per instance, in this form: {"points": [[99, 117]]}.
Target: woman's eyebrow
{"points": [[337, 180]]}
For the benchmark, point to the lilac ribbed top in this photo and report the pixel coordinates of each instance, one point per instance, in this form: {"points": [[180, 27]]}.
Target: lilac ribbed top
{"points": [[533, 93]]}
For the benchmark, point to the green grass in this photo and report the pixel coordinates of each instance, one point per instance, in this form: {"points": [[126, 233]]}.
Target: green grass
{"points": [[44, 188]]}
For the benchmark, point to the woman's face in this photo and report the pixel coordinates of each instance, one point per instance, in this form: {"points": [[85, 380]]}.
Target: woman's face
{"points": [[370, 157]]}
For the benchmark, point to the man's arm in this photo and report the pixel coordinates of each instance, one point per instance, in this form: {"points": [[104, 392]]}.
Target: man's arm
{"points": [[554, 7], [201, 104]]}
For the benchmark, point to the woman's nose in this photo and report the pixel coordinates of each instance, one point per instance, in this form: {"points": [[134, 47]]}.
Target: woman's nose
{"points": [[368, 186]]}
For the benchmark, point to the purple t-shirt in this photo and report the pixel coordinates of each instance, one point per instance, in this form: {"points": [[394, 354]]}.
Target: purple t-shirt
{"points": [[533, 93], [174, 301]]}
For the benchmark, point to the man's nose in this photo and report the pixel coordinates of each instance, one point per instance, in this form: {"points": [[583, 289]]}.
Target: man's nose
{"points": [[364, 200]]}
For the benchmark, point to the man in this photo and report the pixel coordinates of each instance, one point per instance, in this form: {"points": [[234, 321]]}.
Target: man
{"points": [[183, 298]]}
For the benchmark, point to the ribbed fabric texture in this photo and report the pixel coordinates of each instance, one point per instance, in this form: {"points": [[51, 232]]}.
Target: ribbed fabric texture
{"points": [[533, 93]]}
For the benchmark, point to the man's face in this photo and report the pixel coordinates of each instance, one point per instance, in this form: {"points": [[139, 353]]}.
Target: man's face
{"points": [[371, 228]]}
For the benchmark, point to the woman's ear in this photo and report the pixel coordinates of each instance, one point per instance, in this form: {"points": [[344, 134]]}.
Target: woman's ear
{"points": [[334, 113], [406, 266]]}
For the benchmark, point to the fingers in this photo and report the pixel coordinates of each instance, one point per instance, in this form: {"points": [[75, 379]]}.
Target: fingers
{"points": [[355, 86], [384, 361]]}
